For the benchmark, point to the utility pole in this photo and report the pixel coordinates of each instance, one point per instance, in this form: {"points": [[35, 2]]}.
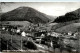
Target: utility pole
{"points": [[11, 39], [21, 43], [7, 45], [78, 41]]}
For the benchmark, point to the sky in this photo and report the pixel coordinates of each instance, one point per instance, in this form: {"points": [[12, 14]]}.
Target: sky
{"points": [[49, 8]]}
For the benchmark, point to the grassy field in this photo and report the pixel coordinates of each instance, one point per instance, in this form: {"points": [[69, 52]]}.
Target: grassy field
{"points": [[71, 27]]}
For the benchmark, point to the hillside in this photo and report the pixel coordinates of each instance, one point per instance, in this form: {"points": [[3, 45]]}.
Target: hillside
{"points": [[20, 24], [71, 27], [0, 15], [54, 27], [69, 22], [25, 14], [70, 16]]}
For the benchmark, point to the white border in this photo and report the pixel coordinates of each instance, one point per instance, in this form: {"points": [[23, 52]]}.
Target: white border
{"points": [[39, 0]]}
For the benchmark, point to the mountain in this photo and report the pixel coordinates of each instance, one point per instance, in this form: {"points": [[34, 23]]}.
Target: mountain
{"points": [[52, 18], [25, 14], [67, 22], [70, 16]]}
